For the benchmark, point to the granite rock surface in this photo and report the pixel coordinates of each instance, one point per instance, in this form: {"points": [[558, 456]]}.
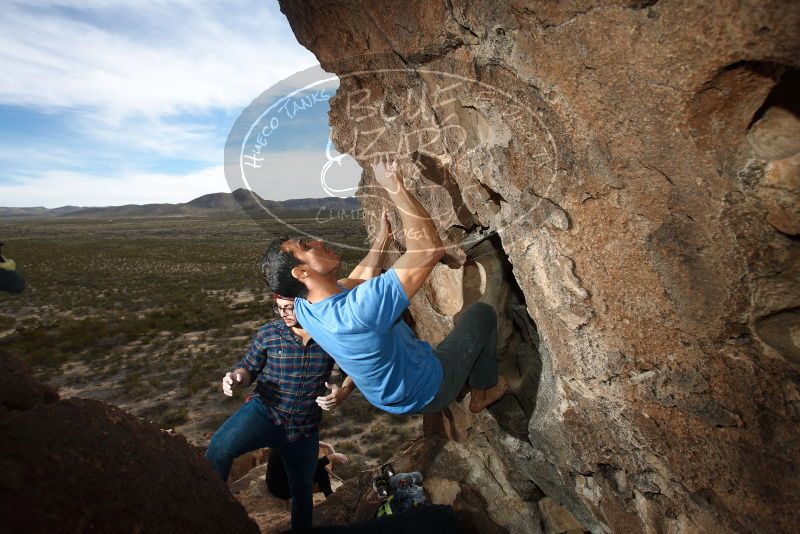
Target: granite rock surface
{"points": [[621, 179]]}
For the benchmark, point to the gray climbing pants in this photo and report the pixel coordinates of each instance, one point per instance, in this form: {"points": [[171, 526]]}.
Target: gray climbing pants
{"points": [[468, 355]]}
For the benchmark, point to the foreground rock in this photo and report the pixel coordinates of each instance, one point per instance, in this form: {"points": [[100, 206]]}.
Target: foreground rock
{"points": [[467, 475], [639, 164], [80, 465]]}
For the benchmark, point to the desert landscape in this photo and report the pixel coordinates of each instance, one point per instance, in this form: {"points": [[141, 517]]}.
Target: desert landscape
{"points": [[147, 314], [618, 180]]}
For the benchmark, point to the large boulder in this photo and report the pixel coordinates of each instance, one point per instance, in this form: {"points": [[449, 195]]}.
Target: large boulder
{"points": [[637, 161], [79, 465], [21, 391]]}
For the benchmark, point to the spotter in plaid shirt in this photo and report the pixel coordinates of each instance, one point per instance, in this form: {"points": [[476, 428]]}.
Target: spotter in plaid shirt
{"points": [[289, 377], [291, 370]]}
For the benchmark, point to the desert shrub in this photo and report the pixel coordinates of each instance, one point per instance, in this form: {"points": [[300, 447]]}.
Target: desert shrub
{"points": [[174, 417], [197, 383], [133, 386], [379, 432], [374, 450], [349, 470], [166, 416], [337, 429], [381, 450], [7, 322], [214, 421]]}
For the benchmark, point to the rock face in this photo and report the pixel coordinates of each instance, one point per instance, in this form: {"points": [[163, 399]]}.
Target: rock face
{"points": [[469, 476], [79, 465], [632, 172]]}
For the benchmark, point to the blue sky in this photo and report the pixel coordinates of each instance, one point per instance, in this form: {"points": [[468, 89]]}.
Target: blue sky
{"points": [[107, 103]]}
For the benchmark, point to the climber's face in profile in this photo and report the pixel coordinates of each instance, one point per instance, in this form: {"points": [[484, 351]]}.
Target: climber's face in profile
{"points": [[315, 255]]}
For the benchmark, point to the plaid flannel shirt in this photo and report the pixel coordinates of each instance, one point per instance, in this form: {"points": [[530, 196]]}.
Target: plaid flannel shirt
{"points": [[289, 377]]}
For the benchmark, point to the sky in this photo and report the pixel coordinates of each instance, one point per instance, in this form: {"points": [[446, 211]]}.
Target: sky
{"points": [[106, 102]]}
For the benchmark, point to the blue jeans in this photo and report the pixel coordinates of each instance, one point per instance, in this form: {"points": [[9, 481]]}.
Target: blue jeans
{"points": [[251, 428]]}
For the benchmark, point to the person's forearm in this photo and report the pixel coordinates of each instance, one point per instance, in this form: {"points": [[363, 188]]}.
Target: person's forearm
{"points": [[348, 385], [420, 233], [252, 363], [246, 377], [370, 266]]}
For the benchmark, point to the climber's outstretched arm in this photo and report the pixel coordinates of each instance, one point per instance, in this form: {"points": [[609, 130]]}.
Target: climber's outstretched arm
{"points": [[424, 248], [370, 266]]}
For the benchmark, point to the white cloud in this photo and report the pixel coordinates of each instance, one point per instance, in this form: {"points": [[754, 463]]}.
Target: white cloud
{"points": [[151, 58], [284, 175], [188, 138], [152, 76], [60, 188]]}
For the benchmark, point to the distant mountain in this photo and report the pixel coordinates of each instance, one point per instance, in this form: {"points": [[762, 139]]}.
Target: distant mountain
{"points": [[332, 203], [38, 211], [241, 200], [24, 212], [63, 210]]}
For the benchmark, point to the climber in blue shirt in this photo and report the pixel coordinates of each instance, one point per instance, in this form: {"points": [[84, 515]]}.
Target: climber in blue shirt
{"points": [[357, 320]]}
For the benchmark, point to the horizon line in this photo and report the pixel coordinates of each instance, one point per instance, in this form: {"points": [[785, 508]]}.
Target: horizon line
{"points": [[173, 203]]}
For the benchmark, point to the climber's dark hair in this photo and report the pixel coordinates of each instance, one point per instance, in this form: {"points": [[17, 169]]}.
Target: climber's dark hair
{"points": [[276, 268]]}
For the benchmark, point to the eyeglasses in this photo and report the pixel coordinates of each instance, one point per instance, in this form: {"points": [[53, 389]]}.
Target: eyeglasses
{"points": [[288, 310]]}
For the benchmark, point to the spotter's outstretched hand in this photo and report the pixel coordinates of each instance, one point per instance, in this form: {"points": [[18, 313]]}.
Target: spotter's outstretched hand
{"points": [[229, 381], [332, 399]]}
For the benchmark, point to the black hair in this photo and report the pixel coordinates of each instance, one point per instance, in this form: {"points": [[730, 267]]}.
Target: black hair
{"points": [[276, 268]]}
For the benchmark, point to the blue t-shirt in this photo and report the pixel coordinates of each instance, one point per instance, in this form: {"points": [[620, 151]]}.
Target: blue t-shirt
{"points": [[362, 330]]}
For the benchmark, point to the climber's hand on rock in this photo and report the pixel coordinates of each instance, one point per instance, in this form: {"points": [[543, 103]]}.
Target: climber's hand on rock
{"points": [[387, 173], [385, 229]]}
